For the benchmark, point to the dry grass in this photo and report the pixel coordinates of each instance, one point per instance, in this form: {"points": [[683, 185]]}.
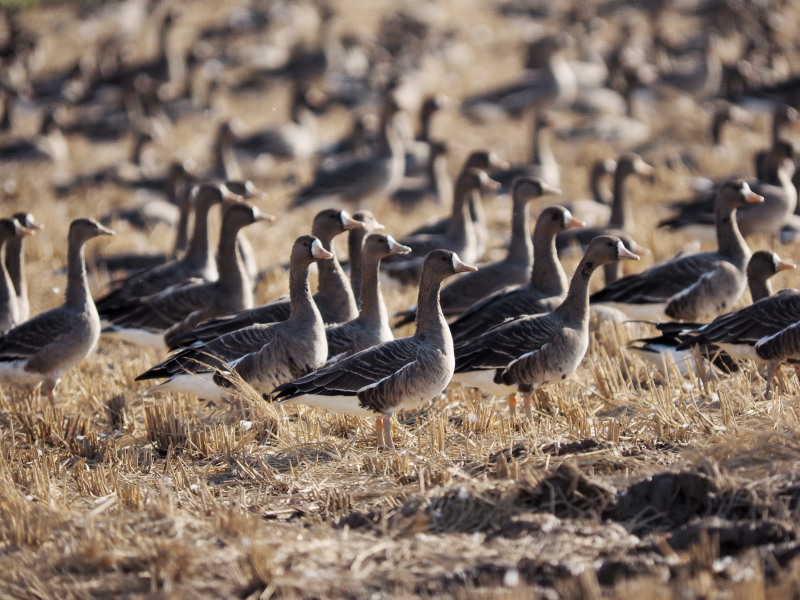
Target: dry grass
{"points": [[625, 484]]}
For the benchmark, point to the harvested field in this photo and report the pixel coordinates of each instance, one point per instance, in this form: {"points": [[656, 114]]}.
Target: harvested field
{"points": [[627, 483]]}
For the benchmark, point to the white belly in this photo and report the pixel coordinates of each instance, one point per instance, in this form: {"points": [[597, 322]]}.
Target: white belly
{"points": [[485, 381], [662, 357], [137, 337], [345, 405], [14, 372], [197, 384], [640, 312]]}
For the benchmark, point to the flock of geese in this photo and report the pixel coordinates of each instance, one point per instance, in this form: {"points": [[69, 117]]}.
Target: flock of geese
{"points": [[505, 327]]}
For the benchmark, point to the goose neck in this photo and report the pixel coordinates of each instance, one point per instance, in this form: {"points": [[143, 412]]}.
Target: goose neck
{"points": [[520, 248], [547, 274], [729, 239]]}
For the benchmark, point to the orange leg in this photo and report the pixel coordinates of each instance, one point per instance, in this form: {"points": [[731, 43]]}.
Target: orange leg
{"points": [[379, 432], [527, 401], [512, 405]]}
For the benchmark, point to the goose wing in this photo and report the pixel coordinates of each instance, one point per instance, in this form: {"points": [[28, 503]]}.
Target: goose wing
{"points": [[503, 344], [660, 282], [354, 373]]}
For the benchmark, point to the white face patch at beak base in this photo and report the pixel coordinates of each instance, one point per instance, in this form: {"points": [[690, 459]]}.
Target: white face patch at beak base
{"points": [[624, 254], [317, 251], [461, 267]]}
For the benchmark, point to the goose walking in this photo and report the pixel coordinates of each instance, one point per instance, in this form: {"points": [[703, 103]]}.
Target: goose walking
{"points": [[334, 297], [543, 292], [533, 350], [723, 340], [262, 355], [41, 349], [15, 263], [10, 229], [371, 326], [514, 269], [693, 287], [198, 262], [459, 236], [159, 319], [393, 376]]}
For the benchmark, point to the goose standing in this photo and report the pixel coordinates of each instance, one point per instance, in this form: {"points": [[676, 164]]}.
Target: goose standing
{"points": [[619, 221], [393, 376], [776, 349], [41, 349], [264, 355], [545, 289], [417, 151], [533, 350], [334, 297], [371, 326], [514, 269], [691, 287], [157, 320], [10, 229], [355, 245], [435, 186], [542, 163], [538, 88], [198, 262], [596, 210], [725, 333], [459, 237], [15, 263], [484, 161], [363, 178]]}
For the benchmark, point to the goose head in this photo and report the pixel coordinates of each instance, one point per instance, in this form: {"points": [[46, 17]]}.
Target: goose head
{"points": [[632, 164], [11, 228], [243, 189], [555, 219], [28, 222], [206, 195], [441, 264], [607, 249], [306, 250], [477, 179], [764, 264], [735, 194], [488, 161], [81, 230], [381, 245], [241, 214], [369, 220], [330, 222], [529, 188]]}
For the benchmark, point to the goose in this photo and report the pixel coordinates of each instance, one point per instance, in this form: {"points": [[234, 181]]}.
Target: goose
{"points": [[417, 151], [145, 214], [459, 237], [776, 349], [619, 220], [690, 287], [538, 88], [363, 178], [48, 144], [596, 211], [514, 269], [197, 263], [700, 78], [371, 326], [677, 339], [296, 139], [695, 217], [10, 229], [485, 161], [783, 117], [264, 355], [41, 349], [434, 187], [545, 289], [15, 263], [532, 350], [542, 162], [355, 245], [157, 320], [396, 375], [334, 297]]}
